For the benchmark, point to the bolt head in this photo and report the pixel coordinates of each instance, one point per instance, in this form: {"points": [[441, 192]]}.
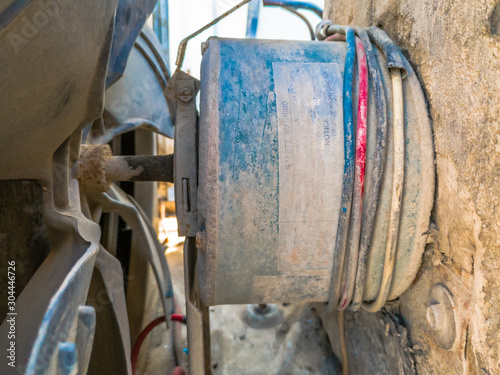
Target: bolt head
{"points": [[440, 315], [437, 316]]}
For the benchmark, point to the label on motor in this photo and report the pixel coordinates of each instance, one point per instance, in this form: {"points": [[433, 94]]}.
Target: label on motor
{"points": [[311, 161]]}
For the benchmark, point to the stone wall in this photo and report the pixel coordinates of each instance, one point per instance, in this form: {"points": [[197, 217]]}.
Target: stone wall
{"points": [[454, 47]]}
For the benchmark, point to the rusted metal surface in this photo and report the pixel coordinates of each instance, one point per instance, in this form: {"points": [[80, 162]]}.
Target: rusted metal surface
{"points": [[98, 168], [92, 168], [141, 168]]}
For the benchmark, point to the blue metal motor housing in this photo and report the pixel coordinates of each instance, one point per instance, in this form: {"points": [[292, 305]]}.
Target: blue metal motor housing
{"points": [[271, 158], [270, 175]]}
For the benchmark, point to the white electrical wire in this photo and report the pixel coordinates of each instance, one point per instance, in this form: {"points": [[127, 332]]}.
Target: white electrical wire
{"points": [[397, 192]]}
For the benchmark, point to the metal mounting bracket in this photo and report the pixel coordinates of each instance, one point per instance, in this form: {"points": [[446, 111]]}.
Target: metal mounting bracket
{"points": [[183, 89]]}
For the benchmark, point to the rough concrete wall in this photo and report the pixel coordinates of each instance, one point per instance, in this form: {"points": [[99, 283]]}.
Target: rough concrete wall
{"points": [[454, 46]]}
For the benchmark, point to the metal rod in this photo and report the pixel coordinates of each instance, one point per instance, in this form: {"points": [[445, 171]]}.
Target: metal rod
{"points": [[183, 45], [140, 168]]}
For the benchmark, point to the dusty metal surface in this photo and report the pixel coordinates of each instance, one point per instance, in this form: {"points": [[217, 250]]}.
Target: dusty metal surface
{"points": [[131, 16], [269, 207], [65, 274], [183, 89], [418, 190], [98, 168], [46, 317], [441, 316], [138, 99], [54, 331], [43, 100], [116, 201], [240, 192], [198, 321]]}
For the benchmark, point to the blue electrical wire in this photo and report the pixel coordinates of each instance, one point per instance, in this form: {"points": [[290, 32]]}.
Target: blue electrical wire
{"points": [[295, 5], [372, 195], [348, 178]]}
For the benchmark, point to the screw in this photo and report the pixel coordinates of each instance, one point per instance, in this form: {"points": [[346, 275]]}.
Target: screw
{"points": [[186, 95], [200, 240]]}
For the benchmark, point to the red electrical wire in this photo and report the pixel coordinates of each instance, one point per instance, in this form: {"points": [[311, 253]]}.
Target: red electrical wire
{"points": [[359, 178], [179, 371], [141, 338], [362, 118], [144, 333], [178, 318]]}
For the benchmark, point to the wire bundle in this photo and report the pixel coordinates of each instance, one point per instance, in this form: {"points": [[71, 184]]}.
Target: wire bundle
{"points": [[356, 223]]}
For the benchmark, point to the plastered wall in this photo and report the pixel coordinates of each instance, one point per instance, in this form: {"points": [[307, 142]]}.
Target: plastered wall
{"points": [[455, 48]]}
